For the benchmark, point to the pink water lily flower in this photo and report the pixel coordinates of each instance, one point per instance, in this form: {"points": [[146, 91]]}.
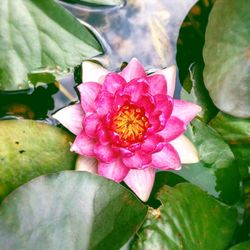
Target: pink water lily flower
{"points": [[128, 124]]}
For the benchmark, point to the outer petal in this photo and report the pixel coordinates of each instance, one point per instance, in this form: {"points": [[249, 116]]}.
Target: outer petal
{"points": [[138, 160], [71, 118], [170, 75], [133, 70], [83, 145], [90, 124], [141, 181], [174, 128], [186, 111], [166, 159], [104, 153], [88, 92], [84, 163], [93, 72], [157, 84], [186, 150], [116, 170], [113, 82]]}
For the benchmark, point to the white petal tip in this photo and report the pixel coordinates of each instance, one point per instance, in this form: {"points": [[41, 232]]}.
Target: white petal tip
{"points": [[186, 150], [71, 118], [84, 163], [141, 182], [170, 75], [93, 72]]}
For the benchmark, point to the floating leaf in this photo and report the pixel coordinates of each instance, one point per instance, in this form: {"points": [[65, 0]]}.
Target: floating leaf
{"points": [[217, 172], [39, 34], [234, 130], [188, 218], [198, 93], [241, 246], [69, 210], [227, 56], [29, 149]]}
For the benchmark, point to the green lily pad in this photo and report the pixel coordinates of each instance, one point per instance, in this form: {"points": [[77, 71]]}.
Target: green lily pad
{"points": [[227, 56], [188, 218], [241, 246], [195, 91], [217, 172], [69, 210], [29, 149], [234, 130], [40, 34]]}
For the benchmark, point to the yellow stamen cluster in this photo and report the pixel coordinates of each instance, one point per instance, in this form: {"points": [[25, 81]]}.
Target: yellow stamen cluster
{"points": [[130, 123]]}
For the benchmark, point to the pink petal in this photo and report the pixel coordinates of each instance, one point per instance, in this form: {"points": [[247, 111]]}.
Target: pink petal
{"points": [[141, 181], [84, 163], [151, 143], [146, 102], [166, 159], [71, 118], [186, 150], [133, 70], [93, 72], [102, 135], [157, 121], [104, 153], [115, 170], [104, 103], [135, 89], [88, 92], [164, 104], [170, 76], [138, 160], [186, 111], [174, 128], [90, 124], [113, 82], [83, 145], [157, 84], [120, 99]]}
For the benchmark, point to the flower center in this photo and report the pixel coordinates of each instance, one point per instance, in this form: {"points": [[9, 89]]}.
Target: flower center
{"points": [[130, 123]]}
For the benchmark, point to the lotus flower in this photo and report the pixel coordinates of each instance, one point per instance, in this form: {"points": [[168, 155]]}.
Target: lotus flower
{"points": [[128, 124]]}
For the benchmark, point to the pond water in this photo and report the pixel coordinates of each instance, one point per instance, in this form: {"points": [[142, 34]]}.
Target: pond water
{"points": [[144, 29]]}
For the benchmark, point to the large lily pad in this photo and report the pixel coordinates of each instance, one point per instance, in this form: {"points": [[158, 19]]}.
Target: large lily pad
{"points": [[241, 246], [234, 130], [217, 171], [188, 218], [69, 210], [195, 91], [29, 149], [227, 56], [38, 34]]}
